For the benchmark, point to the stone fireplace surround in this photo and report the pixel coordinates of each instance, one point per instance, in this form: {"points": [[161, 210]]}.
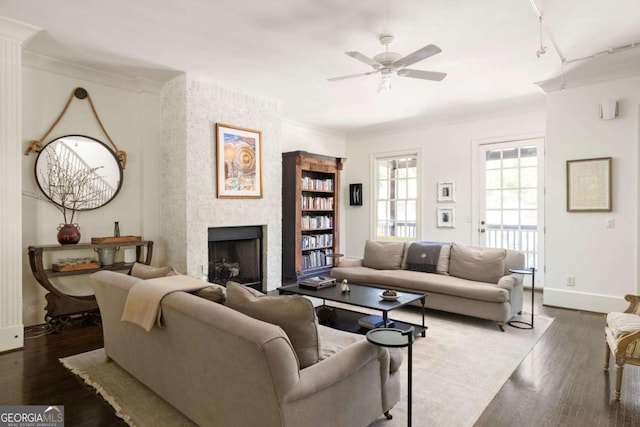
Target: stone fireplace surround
{"points": [[190, 108]]}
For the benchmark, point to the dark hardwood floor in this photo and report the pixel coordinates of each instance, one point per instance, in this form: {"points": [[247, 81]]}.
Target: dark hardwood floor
{"points": [[34, 376], [560, 383]]}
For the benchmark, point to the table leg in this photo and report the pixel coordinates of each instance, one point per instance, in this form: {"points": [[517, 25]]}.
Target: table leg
{"points": [[424, 329], [409, 382], [533, 291], [410, 339]]}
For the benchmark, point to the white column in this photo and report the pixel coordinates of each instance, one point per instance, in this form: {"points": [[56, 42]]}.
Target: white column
{"points": [[151, 173], [13, 35]]}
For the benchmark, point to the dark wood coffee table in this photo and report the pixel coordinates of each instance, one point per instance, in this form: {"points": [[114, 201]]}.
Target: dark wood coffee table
{"points": [[361, 296]]}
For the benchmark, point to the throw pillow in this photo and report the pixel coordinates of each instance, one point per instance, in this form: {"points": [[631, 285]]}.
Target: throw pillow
{"points": [[143, 271], [293, 313], [213, 292], [423, 256], [478, 264], [443, 261], [383, 255]]}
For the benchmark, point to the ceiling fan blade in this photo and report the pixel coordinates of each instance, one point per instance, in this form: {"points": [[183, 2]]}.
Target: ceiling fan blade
{"points": [[418, 55], [420, 74], [362, 58], [333, 79]]}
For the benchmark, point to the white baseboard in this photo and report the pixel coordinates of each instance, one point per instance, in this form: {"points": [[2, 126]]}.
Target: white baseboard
{"points": [[11, 338], [583, 301]]}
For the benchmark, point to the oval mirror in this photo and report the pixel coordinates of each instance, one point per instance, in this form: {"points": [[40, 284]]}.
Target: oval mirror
{"points": [[78, 172]]}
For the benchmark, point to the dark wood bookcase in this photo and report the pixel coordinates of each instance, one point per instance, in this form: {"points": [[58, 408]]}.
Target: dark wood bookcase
{"points": [[310, 213]]}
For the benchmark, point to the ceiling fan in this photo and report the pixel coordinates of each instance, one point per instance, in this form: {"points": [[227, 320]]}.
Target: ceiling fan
{"points": [[387, 63]]}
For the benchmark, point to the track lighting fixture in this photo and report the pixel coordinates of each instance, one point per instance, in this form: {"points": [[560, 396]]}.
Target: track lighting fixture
{"points": [[543, 49]]}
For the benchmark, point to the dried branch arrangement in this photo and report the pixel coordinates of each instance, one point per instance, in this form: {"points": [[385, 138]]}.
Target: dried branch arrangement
{"points": [[71, 188]]}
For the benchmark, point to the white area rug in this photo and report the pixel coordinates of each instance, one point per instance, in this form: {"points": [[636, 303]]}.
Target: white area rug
{"points": [[459, 367], [457, 370]]}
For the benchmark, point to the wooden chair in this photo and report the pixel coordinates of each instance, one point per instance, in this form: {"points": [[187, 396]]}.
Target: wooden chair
{"points": [[622, 338]]}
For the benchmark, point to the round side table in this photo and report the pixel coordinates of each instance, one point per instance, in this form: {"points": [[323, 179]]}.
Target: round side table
{"points": [[520, 324], [393, 337]]}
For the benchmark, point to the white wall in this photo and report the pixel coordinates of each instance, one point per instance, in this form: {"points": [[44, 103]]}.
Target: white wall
{"points": [[445, 152], [603, 261], [302, 137], [128, 111]]}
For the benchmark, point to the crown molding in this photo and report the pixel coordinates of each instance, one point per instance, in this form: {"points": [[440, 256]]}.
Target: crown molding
{"points": [[304, 127], [17, 31], [81, 72], [469, 114]]}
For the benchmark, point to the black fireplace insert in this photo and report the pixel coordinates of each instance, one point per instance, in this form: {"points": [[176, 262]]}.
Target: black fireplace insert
{"points": [[235, 253]]}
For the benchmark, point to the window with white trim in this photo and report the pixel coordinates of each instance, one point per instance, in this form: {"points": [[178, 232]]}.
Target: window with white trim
{"points": [[396, 197]]}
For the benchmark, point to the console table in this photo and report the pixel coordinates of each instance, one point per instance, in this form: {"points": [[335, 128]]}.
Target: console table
{"points": [[61, 305]]}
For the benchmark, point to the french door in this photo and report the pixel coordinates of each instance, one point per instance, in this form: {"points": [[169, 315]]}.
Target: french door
{"points": [[510, 213]]}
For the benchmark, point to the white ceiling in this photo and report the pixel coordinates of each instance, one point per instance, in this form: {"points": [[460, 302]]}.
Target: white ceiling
{"points": [[286, 49]]}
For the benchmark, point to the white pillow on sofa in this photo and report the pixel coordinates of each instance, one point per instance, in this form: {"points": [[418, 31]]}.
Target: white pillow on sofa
{"points": [[443, 261]]}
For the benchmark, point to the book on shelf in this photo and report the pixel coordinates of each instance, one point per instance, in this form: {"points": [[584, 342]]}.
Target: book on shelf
{"points": [[374, 321], [316, 258], [317, 282]]}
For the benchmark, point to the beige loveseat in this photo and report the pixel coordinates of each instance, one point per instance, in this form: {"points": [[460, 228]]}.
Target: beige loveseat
{"points": [[220, 367], [466, 280]]}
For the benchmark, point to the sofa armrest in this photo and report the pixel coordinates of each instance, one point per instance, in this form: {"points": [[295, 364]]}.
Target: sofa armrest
{"points": [[510, 281], [350, 262], [337, 368]]}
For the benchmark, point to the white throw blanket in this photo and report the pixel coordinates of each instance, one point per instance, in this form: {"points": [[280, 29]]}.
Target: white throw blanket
{"points": [[143, 302]]}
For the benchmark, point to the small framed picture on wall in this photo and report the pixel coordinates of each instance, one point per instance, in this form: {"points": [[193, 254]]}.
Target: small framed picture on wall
{"points": [[446, 191], [355, 194], [446, 217]]}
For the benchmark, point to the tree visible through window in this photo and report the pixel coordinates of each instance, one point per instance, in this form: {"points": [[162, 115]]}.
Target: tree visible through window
{"points": [[396, 197]]}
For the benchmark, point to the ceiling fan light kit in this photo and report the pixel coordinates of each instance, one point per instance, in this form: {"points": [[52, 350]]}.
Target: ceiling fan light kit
{"points": [[387, 63]]}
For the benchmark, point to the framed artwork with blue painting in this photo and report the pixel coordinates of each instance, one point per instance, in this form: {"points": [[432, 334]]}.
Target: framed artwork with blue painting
{"points": [[238, 162]]}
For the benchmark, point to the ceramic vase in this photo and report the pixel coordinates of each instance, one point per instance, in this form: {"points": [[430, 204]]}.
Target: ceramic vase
{"points": [[68, 234]]}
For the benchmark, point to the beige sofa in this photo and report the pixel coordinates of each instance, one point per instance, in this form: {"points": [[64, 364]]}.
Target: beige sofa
{"points": [[467, 280], [221, 367]]}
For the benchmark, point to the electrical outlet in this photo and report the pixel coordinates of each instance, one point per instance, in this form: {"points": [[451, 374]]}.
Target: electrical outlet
{"points": [[571, 280], [609, 223]]}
